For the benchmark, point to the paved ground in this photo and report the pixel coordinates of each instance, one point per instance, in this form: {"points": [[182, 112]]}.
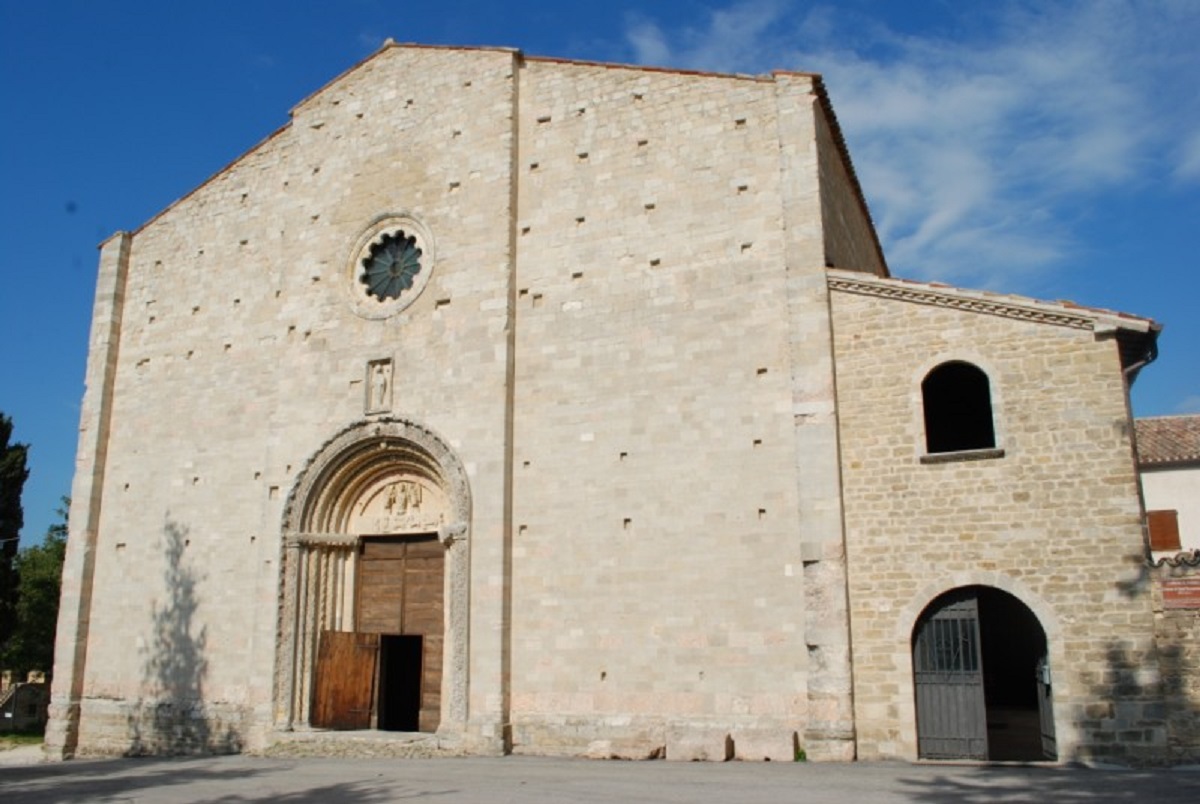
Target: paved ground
{"points": [[527, 779]]}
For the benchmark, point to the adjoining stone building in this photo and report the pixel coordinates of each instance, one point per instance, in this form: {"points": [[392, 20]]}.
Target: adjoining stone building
{"points": [[569, 408], [1168, 450], [1169, 464]]}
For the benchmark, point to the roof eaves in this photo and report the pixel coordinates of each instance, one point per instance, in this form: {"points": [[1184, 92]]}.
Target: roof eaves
{"points": [[938, 294], [648, 69]]}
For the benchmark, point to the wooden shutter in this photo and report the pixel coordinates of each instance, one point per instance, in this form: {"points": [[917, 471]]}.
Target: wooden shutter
{"points": [[1164, 530]]}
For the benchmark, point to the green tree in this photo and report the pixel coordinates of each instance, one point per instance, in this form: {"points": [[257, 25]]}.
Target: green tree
{"points": [[39, 574], [13, 473]]}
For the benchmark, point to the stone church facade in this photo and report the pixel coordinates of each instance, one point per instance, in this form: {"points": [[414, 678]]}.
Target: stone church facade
{"points": [[555, 407]]}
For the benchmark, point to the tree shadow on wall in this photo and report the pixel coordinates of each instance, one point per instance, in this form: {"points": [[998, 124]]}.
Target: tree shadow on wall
{"points": [[172, 718], [1175, 689], [1156, 694]]}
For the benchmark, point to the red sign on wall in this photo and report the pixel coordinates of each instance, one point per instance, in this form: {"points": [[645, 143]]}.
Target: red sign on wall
{"points": [[1181, 593]]}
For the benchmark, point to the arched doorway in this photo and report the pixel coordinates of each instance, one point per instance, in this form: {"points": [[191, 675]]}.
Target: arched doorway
{"points": [[373, 620], [982, 679]]}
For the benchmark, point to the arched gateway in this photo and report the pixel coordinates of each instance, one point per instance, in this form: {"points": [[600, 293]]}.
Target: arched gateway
{"points": [[982, 678], [373, 608]]}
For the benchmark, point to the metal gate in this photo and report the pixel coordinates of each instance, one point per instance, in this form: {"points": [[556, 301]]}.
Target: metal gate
{"points": [[948, 670], [1046, 709]]}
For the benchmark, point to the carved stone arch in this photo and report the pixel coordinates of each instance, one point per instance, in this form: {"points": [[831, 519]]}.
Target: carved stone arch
{"points": [[327, 482], [340, 495], [912, 611]]}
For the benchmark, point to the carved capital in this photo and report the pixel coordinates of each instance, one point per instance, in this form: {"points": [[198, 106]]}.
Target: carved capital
{"points": [[449, 534], [295, 540]]}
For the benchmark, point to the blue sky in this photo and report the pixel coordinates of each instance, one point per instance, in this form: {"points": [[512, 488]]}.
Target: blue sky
{"points": [[1046, 149]]}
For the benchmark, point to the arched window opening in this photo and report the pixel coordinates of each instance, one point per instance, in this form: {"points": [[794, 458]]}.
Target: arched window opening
{"points": [[958, 408]]}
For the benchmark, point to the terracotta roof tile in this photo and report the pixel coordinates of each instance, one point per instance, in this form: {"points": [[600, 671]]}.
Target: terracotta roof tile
{"points": [[1168, 440]]}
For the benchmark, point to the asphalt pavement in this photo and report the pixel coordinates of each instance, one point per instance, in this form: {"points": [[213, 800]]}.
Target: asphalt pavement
{"points": [[25, 780]]}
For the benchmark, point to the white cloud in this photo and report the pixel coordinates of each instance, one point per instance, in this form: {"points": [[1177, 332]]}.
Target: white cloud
{"points": [[977, 150], [370, 41], [721, 45], [1189, 159], [1189, 404], [649, 46]]}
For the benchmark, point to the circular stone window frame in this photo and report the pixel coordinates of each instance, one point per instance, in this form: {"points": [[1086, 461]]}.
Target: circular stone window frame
{"points": [[383, 227]]}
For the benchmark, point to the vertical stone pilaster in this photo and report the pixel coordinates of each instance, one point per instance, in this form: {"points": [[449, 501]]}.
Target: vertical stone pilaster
{"points": [[490, 646], [510, 391], [288, 645], [70, 665], [829, 734]]}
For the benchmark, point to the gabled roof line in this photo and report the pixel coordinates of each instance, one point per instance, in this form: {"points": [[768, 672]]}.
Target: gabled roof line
{"points": [[213, 177], [643, 68], [387, 45], [817, 83]]}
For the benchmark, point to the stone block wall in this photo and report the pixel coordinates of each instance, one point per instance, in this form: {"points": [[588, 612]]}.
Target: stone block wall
{"points": [[657, 574], [1177, 632], [849, 236], [625, 317], [239, 354], [1054, 520]]}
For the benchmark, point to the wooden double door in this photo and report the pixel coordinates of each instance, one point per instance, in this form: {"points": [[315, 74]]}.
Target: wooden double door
{"points": [[387, 674]]}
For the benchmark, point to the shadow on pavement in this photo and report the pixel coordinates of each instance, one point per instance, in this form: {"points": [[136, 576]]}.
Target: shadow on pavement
{"points": [[89, 780], [1021, 783], [172, 779]]}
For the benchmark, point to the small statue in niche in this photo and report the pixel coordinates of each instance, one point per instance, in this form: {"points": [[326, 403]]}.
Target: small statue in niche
{"points": [[379, 384]]}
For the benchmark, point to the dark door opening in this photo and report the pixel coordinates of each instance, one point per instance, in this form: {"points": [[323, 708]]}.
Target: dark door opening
{"points": [[388, 673], [401, 592], [983, 688], [400, 671], [1014, 648]]}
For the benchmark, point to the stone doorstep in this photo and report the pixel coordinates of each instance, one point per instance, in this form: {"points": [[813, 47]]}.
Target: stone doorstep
{"points": [[360, 744]]}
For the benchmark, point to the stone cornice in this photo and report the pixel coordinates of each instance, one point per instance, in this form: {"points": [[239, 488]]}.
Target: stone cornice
{"points": [[1058, 314]]}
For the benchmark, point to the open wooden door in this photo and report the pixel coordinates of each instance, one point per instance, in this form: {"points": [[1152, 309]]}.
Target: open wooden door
{"points": [[948, 670], [401, 593], [344, 687]]}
